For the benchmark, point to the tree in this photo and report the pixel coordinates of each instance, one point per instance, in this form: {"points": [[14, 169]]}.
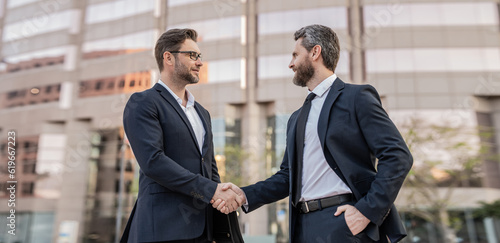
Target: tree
{"points": [[230, 164], [445, 157], [488, 210]]}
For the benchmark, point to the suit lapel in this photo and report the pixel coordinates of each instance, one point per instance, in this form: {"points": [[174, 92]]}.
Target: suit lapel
{"points": [[334, 92], [171, 100]]}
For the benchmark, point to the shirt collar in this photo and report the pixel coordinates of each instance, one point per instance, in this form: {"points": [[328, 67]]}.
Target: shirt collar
{"points": [[190, 96], [324, 86]]}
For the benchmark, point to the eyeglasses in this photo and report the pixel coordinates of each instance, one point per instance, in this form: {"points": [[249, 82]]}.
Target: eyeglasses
{"points": [[192, 54]]}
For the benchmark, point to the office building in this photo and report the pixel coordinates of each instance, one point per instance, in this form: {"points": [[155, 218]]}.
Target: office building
{"points": [[68, 67]]}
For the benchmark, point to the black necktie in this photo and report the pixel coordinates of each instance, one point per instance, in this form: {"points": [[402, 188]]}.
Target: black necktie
{"points": [[299, 144]]}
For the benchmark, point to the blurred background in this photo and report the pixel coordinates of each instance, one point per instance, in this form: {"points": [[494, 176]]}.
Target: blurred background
{"points": [[68, 67]]}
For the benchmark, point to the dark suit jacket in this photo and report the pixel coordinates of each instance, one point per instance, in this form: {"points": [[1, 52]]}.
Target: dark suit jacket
{"points": [[354, 130], [176, 181]]}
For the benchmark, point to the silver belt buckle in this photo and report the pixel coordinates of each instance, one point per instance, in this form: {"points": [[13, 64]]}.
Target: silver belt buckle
{"points": [[307, 207]]}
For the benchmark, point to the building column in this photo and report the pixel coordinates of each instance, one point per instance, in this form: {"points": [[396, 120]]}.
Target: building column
{"points": [[253, 124], [488, 120], [355, 15], [161, 15], [71, 206], [70, 209], [3, 11]]}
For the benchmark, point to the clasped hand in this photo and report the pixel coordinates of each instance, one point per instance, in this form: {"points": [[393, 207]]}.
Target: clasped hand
{"points": [[228, 198]]}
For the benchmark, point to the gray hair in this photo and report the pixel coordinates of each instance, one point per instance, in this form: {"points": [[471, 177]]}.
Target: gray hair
{"points": [[326, 38]]}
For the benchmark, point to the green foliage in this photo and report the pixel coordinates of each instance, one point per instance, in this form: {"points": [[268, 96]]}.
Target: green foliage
{"points": [[445, 157], [234, 157], [488, 210]]}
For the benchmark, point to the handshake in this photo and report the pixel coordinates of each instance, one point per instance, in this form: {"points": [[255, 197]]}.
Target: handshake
{"points": [[228, 198]]}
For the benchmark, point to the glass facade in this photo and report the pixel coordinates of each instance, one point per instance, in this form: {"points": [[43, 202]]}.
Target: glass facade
{"points": [[219, 133], [466, 227], [226, 70], [431, 14], [44, 24], [116, 10], [215, 29], [129, 43], [433, 60], [30, 227], [18, 3], [174, 3], [38, 58], [291, 21]]}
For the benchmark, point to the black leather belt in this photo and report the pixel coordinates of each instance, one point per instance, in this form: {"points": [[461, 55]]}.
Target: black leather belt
{"points": [[319, 204]]}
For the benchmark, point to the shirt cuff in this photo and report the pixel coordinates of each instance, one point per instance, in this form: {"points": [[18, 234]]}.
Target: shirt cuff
{"points": [[245, 205]]}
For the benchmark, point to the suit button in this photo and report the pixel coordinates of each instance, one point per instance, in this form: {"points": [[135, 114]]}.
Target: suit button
{"points": [[202, 160]]}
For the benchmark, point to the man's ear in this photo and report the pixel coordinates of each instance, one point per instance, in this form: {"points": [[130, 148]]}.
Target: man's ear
{"points": [[168, 58], [316, 52]]}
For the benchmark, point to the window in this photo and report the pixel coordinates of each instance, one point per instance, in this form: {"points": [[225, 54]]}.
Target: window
{"points": [[41, 24], [433, 60], [215, 29], [431, 14], [48, 89], [29, 166], [291, 21], [83, 86], [132, 83], [137, 41], [113, 10], [98, 85], [117, 186], [38, 54], [3, 148], [28, 188], [128, 186], [217, 71], [14, 4], [121, 84], [11, 95], [128, 166], [173, 3]]}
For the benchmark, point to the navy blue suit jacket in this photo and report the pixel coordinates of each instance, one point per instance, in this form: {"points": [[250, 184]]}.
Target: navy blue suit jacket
{"points": [[354, 131], [176, 181]]}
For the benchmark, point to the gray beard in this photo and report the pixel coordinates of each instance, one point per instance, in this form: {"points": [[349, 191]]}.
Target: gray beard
{"points": [[303, 74]]}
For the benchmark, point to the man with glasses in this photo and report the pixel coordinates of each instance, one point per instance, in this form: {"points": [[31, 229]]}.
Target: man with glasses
{"points": [[171, 137]]}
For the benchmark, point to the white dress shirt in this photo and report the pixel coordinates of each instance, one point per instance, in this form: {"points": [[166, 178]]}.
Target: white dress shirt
{"points": [[192, 115], [318, 178]]}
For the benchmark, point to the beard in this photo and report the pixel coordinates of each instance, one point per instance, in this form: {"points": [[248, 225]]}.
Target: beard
{"points": [[303, 73], [182, 73]]}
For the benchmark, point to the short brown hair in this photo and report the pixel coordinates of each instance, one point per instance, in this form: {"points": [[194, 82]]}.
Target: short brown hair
{"points": [[326, 38], [172, 40]]}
